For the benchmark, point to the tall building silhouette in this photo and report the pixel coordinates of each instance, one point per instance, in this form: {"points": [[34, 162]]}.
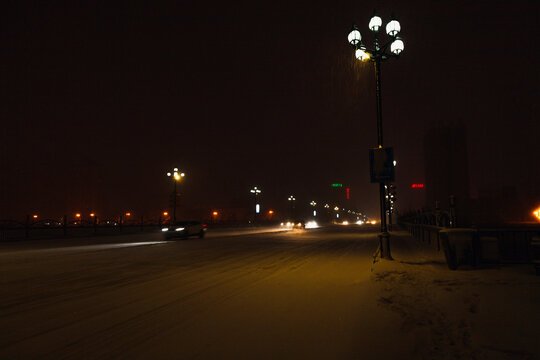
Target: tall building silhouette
{"points": [[446, 166]]}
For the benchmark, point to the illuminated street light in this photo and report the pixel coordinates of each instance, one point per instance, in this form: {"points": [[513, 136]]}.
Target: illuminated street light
{"points": [[291, 199], [256, 191], [313, 203], [377, 55], [35, 216], [176, 175], [536, 213]]}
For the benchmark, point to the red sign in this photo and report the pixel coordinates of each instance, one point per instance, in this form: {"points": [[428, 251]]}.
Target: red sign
{"points": [[415, 186], [347, 193]]}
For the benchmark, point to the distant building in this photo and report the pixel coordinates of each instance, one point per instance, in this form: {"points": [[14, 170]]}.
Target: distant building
{"points": [[446, 166]]}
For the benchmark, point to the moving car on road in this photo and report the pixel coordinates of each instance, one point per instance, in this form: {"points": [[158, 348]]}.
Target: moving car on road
{"points": [[296, 224], [184, 229]]}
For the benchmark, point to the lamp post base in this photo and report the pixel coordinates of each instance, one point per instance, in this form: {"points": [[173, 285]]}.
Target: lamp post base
{"points": [[384, 243]]}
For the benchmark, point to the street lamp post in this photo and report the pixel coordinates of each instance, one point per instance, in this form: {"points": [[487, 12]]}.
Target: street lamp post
{"points": [[377, 55], [255, 191], [313, 203], [291, 200], [176, 177]]}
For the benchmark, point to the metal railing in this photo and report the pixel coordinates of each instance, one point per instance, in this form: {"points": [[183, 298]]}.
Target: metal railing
{"points": [[513, 244], [64, 227]]}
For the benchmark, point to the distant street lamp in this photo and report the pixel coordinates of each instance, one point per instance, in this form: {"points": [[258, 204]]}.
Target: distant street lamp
{"points": [[313, 203], [291, 200], [176, 176], [255, 191], [377, 55]]}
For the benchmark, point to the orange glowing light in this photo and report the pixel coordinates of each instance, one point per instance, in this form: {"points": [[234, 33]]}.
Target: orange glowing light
{"points": [[128, 214], [536, 213], [215, 213], [270, 212], [78, 215], [92, 215], [165, 213], [34, 216]]}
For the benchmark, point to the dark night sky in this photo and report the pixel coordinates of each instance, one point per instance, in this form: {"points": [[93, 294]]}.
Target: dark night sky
{"points": [[100, 100]]}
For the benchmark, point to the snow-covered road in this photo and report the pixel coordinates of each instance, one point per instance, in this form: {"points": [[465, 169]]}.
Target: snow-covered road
{"points": [[272, 295]]}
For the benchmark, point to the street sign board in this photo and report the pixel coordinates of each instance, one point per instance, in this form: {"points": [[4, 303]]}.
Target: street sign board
{"points": [[381, 165]]}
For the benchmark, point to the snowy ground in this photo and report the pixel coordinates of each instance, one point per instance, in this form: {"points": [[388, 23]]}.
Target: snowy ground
{"points": [[489, 313], [274, 295]]}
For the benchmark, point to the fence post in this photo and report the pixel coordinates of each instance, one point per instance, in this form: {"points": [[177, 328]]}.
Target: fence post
{"points": [[452, 201], [437, 213]]}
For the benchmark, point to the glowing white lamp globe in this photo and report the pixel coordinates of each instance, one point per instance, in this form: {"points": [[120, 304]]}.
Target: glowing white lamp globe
{"points": [[393, 28], [375, 23], [361, 54], [397, 46], [354, 36]]}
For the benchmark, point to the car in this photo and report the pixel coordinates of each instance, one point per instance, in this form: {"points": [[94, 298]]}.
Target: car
{"points": [[184, 229], [297, 224]]}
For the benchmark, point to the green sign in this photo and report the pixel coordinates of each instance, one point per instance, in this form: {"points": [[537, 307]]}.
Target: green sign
{"points": [[337, 185]]}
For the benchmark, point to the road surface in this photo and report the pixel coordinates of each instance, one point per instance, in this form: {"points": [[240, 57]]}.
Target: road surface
{"points": [[250, 295]]}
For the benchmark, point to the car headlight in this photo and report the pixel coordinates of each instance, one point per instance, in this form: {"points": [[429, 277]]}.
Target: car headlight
{"points": [[165, 229], [179, 229]]}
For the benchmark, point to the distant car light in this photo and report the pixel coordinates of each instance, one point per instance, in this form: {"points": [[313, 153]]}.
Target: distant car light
{"points": [[345, 222], [179, 229], [312, 225], [164, 229], [373, 222], [359, 222]]}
